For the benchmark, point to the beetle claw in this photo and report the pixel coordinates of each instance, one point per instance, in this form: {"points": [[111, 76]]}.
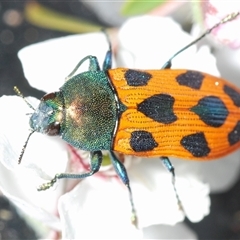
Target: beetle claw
{"points": [[134, 220], [47, 185]]}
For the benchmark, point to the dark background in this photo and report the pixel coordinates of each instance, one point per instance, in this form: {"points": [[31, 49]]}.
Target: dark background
{"points": [[224, 219]]}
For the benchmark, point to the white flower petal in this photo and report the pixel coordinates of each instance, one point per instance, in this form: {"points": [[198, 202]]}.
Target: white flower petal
{"points": [[159, 204], [221, 174], [43, 158], [14, 129], [96, 209], [42, 152], [148, 42], [228, 63], [179, 231], [145, 42], [214, 11], [19, 188], [46, 64]]}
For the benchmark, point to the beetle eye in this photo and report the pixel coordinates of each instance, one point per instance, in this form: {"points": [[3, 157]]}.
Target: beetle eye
{"points": [[53, 129], [48, 96]]}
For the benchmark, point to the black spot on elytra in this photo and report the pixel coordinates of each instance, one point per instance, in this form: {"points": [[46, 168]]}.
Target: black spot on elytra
{"points": [[158, 107], [191, 79], [137, 78], [233, 94], [196, 144], [141, 141], [211, 111], [234, 135]]}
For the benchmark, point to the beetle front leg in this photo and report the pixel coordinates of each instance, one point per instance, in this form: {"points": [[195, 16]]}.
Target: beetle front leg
{"points": [[166, 162], [95, 164], [93, 65], [122, 173]]}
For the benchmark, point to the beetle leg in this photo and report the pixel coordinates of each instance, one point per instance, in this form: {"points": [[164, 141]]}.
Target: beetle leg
{"points": [[93, 65], [95, 164], [107, 64], [168, 165], [167, 65], [122, 173]]}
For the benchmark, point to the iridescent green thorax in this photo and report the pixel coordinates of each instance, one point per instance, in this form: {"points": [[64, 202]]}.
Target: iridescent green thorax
{"points": [[90, 111]]}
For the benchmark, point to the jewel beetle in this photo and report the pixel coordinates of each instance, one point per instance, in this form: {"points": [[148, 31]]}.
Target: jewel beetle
{"points": [[147, 113]]}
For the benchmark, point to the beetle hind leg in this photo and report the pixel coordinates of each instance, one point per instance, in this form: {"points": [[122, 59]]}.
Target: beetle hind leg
{"points": [[95, 164], [122, 173], [168, 165]]}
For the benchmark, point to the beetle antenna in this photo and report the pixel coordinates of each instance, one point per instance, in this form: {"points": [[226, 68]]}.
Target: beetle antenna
{"points": [[25, 146], [17, 91], [228, 18]]}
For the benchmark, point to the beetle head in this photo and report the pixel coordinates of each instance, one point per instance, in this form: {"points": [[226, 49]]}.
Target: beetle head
{"points": [[48, 116]]}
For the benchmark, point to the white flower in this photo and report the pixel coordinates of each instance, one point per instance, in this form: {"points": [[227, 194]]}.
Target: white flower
{"points": [[98, 207]]}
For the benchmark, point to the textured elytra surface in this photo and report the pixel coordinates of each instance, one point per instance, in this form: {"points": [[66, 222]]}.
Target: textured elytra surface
{"points": [[211, 111], [234, 135], [137, 78], [196, 144], [192, 79], [191, 103], [233, 94], [142, 141], [158, 107]]}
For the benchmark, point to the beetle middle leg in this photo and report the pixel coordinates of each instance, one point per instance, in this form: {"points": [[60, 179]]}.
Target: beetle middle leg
{"points": [[107, 64], [122, 173], [95, 164], [168, 165]]}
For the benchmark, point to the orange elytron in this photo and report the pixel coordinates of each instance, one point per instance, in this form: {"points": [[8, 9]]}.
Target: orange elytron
{"points": [[182, 113]]}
